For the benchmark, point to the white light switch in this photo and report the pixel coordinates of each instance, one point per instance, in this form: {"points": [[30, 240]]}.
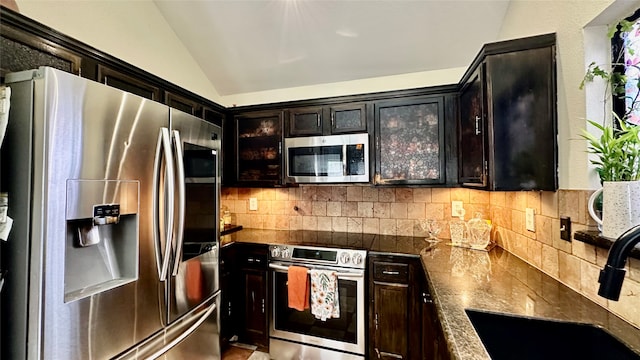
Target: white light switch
{"points": [[457, 208], [530, 219], [253, 204]]}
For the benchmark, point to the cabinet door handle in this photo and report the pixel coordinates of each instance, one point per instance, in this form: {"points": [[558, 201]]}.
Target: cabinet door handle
{"points": [[390, 355], [333, 121], [426, 298], [263, 307], [386, 272], [477, 125]]}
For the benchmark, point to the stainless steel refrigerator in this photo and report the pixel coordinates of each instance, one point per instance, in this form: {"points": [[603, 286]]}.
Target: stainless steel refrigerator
{"points": [[114, 246]]}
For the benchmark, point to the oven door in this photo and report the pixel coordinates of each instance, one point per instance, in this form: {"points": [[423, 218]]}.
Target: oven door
{"points": [[345, 333]]}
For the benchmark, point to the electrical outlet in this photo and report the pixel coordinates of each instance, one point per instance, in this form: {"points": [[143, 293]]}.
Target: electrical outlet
{"points": [[530, 219], [253, 204], [457, 208]]}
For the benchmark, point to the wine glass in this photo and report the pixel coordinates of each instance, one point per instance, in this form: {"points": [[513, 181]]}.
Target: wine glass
{"points": [[433, 228]]}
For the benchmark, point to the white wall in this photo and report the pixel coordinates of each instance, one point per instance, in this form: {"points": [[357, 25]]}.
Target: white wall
{"points": [[133, 31]]}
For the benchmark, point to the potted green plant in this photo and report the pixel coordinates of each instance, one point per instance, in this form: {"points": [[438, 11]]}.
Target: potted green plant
{"points": [[617, 146]]}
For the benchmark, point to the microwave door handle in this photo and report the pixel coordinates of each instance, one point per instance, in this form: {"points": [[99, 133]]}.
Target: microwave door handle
{"points": [[177, 143], [344, 160], [214, 152], [162, 258]]}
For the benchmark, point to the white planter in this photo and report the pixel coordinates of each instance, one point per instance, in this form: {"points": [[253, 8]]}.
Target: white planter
{"points": [[620, 207]]}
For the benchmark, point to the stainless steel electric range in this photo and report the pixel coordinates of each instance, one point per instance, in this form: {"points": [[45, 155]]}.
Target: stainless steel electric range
{"points": [[299, 334]]}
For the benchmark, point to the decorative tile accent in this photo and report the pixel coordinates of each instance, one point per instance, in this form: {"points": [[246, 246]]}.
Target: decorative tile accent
{"points": [[550, 261], [365, 209], [354, 224], [415, 210], [354, 193], [386, 195], [398, 210], [569, 270], [382, 210], [339, 193], [349, 208], [404, 195], [370, 194], [323, 193], [319, 208], [334, 208], [422, 195], [441, 196], [339, 224]]}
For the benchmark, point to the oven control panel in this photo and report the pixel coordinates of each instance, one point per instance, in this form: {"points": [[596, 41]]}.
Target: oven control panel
{"points": [[349, 258]]}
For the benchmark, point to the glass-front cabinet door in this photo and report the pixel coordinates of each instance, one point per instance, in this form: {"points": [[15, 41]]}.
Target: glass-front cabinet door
{"points": [[409, 140], [259, 148]]}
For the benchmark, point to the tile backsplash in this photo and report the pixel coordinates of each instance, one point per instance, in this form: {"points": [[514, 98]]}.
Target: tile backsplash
{"points": [[397, 211]]}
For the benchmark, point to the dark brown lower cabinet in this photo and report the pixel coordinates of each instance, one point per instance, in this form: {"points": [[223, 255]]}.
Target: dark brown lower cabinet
{"points": [[403, 322], [253, 295], [394, 309], [255, 309], [228, 311]]}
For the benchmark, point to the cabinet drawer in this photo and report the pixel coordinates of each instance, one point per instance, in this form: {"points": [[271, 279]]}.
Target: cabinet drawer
{"points": [[254, 261], [391, 272]]}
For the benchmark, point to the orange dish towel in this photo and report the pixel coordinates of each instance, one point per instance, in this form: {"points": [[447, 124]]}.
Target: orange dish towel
{"points": [[298, 287]]}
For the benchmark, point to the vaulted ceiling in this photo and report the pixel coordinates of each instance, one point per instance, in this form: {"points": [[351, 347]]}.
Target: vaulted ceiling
{"points": [[246, 46]]}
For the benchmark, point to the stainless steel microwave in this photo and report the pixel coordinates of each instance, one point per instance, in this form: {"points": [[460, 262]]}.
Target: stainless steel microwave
{"points": [[328, 159]]}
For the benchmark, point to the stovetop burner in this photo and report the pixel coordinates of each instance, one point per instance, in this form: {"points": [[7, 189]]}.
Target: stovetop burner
{"points": [[347, 258]]}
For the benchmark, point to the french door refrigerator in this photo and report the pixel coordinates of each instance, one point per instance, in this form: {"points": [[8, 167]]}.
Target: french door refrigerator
{"points": [[114, 246]]}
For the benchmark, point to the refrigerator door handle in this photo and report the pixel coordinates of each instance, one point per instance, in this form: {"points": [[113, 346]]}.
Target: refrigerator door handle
{"points": [[162, 258], [177, 143], [184, 334]]}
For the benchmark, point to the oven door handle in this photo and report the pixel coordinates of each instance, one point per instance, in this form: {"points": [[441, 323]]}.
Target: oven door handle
{"points": [[355, 274]]}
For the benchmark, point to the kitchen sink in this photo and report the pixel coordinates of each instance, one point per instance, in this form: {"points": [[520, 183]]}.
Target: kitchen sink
{"points": [[519, 337]]}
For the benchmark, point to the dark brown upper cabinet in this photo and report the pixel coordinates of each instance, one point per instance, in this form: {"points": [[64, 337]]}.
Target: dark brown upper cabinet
{"points": [[21, 50], [258, 148], [212, 116], [326, 120], [182, 103], [409, 141], [508, 122], [305, 121], [132, 84]]}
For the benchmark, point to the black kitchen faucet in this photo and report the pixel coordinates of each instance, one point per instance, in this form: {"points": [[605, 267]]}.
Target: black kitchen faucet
{"points": [[612, 275]]}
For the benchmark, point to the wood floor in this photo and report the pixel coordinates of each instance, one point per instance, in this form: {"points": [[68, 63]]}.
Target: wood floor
{"points": [[239, 353], [236, 353]]}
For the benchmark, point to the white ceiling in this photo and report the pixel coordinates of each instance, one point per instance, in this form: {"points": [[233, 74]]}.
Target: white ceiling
{"points": [[247, 46]]}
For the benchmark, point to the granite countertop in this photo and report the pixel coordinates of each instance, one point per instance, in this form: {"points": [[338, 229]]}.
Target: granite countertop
{"points": [[498, 281], [460, 279]]}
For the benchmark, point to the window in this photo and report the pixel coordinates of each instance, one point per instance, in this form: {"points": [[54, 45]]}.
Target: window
{"points": [[626, 57]]}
